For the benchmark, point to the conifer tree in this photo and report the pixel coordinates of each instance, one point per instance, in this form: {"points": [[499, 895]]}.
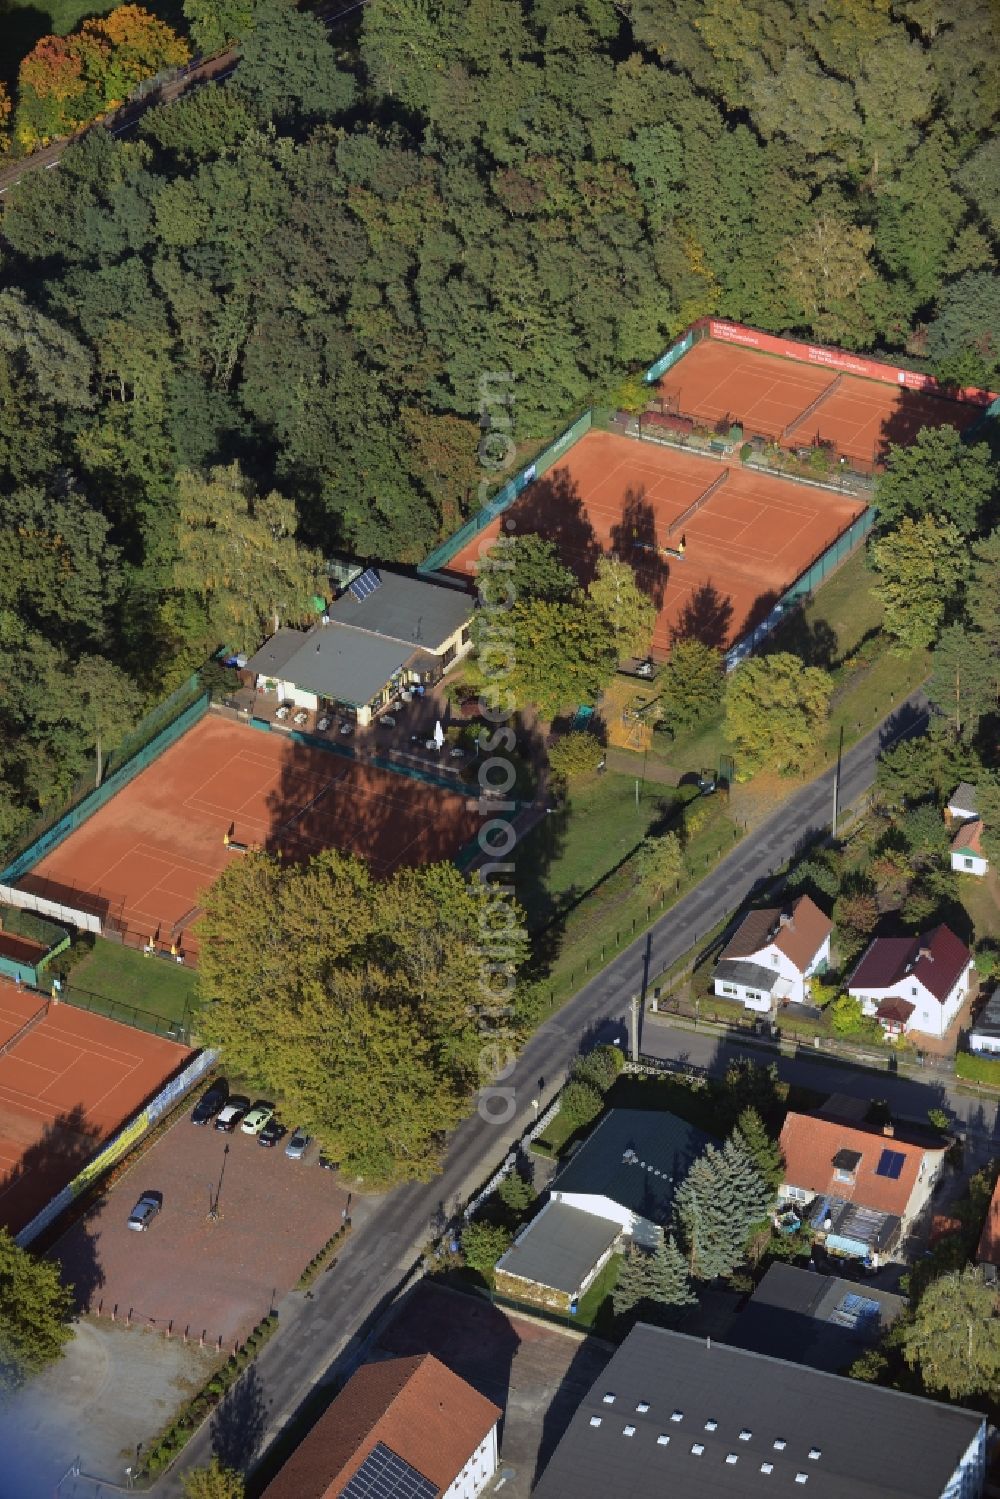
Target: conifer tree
{"points": [[720, 1199], [765, 1152]]}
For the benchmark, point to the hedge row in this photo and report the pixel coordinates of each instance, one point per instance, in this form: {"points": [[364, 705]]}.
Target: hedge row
{"points": [[181, 1429], [319, 1261]]}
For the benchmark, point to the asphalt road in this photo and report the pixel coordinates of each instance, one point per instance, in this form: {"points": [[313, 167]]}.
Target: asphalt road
{"points": [[321, 1333]]}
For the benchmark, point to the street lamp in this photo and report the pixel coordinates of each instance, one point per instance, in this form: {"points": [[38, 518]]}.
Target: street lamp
{"points": [[213, 1213]]}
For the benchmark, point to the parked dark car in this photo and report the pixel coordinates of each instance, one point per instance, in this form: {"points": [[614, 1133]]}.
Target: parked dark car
{"points": [[145, 1211], [210, 1102], [233, 1112], [272, 1132]]}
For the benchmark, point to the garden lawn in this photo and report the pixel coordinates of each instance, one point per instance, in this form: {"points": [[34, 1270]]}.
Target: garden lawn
{"points": [[981, 898], [573, 849], [595, 1312], [126, 985]]}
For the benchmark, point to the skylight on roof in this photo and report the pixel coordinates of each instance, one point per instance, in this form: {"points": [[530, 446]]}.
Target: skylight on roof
{"points": [[732, 1457], [767, 1467], [802, 1478], [663, 1440], [595, 1420], [609, 1398], [815, 1454], [628, 1431], [677, 1416], [745, 1434], [780, 1444], [697, 1448], [642, 1407], [711, 1425]]}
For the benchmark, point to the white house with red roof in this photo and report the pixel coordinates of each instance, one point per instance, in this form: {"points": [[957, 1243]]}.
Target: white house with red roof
{"points": [[859, 1188], [914, 985], [967, 856], [772, 955]]}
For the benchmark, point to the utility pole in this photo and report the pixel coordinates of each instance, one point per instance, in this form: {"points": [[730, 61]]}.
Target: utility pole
{"points": [[836, 785], [633, 1029]]}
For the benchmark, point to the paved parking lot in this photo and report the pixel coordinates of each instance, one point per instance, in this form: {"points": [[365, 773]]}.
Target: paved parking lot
{"points": [[213, 1276], [537, 1374]]}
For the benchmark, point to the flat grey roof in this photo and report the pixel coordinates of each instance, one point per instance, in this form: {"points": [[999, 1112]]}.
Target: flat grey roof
{"points": [[350, 665], [638, 1158], [819, 1320], [736, 1404], [275, 654], [560, 1248], [748, 975], [407, 609]]}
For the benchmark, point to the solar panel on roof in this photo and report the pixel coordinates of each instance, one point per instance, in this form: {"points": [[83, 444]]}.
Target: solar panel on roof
{"points": [[890, 1164], [385, 1475], [365, 585]]}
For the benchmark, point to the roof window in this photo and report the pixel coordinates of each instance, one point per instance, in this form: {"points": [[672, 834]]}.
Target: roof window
{"points": [[663, 1440], [609, 1398], [697, 1448], [780, 1444], [642, 1407], [767, 1467], [628, 1431], [595, 1420]]}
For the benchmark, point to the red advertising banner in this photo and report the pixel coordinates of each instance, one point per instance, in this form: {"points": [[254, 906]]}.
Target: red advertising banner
{"points": [[836, 359]]}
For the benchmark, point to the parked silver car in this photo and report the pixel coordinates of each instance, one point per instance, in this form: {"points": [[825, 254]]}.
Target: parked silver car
{"points": [[145, 1211]]}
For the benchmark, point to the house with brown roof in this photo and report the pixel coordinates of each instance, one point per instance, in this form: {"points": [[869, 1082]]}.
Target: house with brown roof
{"points": [[967, 855], [405, 1427], [914, 984], [988, 1253], [859, 1188], [773, 954]]}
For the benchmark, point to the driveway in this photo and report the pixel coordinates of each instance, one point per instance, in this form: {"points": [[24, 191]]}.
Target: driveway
{"points": [[212, 1276]]}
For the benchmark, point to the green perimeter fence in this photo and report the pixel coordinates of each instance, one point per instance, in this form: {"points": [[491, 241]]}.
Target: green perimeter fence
{"points": [[160, 728], [505, 497], [805, 584]]}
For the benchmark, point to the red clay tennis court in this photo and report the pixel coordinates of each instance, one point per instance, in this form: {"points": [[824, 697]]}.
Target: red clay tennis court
{"points": [[801, 405], [147, 855], [68, 1082], [753, 536]]}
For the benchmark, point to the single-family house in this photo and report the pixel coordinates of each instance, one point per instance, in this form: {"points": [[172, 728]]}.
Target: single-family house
{"points": [[406, 1427], [773, 954], [693, 1418], [386, 634], [988, 1252], [984, 1034], [967, 855], [628, 1169], [913, 984], [618, 1186], [819, 1320], [859, 1188], [963, 804]]}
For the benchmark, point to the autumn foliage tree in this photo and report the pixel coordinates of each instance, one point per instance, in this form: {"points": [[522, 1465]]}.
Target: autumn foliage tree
{"points": [[67, 81]]}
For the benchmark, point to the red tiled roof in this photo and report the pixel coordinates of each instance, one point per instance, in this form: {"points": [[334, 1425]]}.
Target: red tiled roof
{"points": [[935, 959], [895, 1009], [799, 937], [988, 1252], [969, 836], [415, 1406], [810, 1143]]}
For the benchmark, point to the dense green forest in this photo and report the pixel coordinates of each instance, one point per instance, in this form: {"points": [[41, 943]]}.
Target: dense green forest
{"points": [[308, 271]]}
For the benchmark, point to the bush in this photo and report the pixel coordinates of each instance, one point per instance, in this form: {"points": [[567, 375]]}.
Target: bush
{"points": [[599, 1068], [978, 1069], [515, 1192], [580, 1103], [847, 1019], [575, 755], [483, 1244]]}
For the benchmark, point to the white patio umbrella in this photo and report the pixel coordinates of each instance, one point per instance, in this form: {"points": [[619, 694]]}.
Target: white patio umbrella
{"points": [[438, 734]]}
